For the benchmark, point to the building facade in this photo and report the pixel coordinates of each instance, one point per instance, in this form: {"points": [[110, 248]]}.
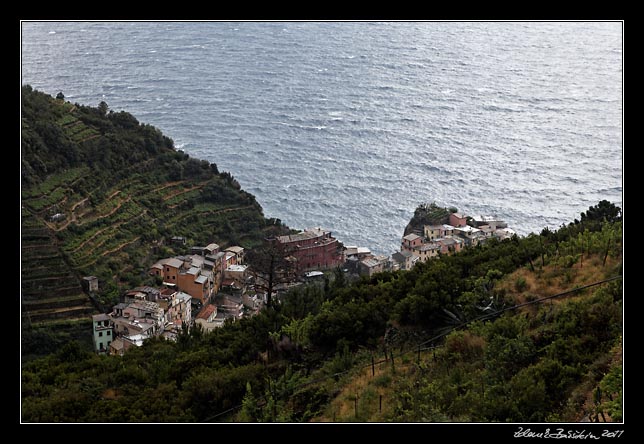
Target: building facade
{"points": [[103, 333], [313, 249]]}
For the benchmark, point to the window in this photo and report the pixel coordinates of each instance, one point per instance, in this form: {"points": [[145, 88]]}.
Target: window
{"points": [[106, 323], [109, 333], [100, 334]]}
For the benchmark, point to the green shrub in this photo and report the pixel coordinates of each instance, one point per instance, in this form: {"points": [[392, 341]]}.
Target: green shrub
{"points": [[520, 284]]}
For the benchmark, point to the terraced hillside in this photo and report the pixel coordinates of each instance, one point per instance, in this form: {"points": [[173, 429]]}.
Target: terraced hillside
{"points": [[102, 195]]}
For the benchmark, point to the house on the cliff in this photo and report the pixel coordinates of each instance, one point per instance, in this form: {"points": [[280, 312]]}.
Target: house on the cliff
{"points": [[312, 249]]}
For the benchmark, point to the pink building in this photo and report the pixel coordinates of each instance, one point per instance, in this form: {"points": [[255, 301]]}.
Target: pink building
{"points": [[411, 241], [450, 245], [457, 220], [314, 249]]}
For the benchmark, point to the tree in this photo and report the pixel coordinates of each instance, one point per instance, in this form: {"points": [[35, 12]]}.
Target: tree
{"points": [[249, 412], [603, 211], [102, 108], [270, 266]]}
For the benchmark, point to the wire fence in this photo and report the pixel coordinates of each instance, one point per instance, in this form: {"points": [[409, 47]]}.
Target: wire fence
{"points": [[418, 348]]}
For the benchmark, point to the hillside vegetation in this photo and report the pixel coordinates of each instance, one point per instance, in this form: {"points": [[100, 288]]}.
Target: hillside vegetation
{"points": [[427, 214], [102, 195], [445, 341]]}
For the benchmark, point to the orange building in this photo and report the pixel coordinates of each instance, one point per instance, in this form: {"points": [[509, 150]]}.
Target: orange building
{"points": [[191, 274]]}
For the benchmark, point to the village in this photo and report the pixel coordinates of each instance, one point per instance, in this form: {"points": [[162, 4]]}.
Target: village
{"points": [[209, 286]]}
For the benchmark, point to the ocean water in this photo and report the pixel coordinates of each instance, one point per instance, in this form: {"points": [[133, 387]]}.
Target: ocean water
{"points": [[351, 125]]}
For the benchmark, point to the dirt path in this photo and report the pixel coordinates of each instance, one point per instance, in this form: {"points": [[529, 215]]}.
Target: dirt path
{"points": [[71, 219], [105, 253], [94, 235], [185, 190], [102, 230], [85, 139], [114, 210], [123, 245], [78, 203], [168, 185]]}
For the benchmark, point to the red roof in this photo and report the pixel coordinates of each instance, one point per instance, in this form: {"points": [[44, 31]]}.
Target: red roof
{"points": [[227, 282], [206, 311]]}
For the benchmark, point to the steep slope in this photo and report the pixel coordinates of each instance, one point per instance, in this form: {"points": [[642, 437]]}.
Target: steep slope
{"points": [[102, 195], [539, 362], [444, 341]]}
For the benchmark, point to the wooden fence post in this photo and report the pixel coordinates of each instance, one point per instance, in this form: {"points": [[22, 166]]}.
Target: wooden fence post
{"points": [[355, 406]]}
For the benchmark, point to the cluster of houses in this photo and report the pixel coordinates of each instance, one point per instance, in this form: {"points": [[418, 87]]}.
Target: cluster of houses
{"points": [[448, 238], [144, 313], [211, 283], [216, 285], [208, 282], [434, 240]]}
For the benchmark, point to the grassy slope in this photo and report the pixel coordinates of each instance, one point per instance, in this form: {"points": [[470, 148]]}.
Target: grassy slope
{"points": [[387, 381]]}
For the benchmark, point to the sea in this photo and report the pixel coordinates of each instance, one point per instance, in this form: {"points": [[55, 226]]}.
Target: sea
{"points": [[350, 125]]}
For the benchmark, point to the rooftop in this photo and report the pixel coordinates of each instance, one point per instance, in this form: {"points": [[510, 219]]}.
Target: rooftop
{"points": [[235, 249], [215, 257], [371, 262], [427, 247], [100, 317], [144, 305], [196, 260], [237, 268], [183, 296], [467, 229], [310, 233], [146, 289], [117, 344], [411, 237], [207, 311], [229, 282], [311, 274], [174, 262], [193, 271], [481, 218]]}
